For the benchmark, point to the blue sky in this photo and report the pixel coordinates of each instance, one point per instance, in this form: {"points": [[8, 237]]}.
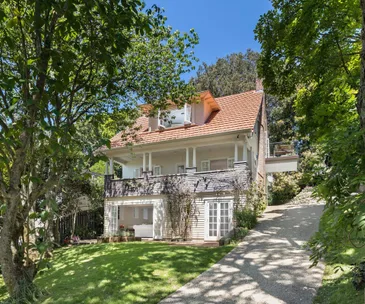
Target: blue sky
{"points": [[223, 26]]}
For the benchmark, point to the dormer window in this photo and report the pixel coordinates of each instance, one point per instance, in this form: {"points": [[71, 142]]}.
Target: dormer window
{"points": [[175, 117]]}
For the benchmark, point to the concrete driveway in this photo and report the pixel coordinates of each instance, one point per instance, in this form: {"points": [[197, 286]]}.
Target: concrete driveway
{"points": [[270, 266]]}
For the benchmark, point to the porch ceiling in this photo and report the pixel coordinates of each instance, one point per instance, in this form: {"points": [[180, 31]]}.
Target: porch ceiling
{"points": [[177, 152]]}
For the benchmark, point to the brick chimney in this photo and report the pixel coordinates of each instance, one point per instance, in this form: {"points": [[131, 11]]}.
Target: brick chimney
{"points": [[259, 86]]}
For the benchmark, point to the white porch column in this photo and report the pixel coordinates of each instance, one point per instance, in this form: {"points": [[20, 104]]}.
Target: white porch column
{"points": [[150, 162], [235, 152], [106, 168], [244, 153], [194, 157], [144, 162], [111, 165], [187, 158]]}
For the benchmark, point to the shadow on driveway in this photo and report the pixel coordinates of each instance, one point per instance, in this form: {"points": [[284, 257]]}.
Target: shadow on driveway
{"points": [[270, 266]]}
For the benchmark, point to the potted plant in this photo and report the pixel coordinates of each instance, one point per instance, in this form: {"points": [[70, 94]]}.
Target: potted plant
{"points": [[131, 235], [122, 235]]}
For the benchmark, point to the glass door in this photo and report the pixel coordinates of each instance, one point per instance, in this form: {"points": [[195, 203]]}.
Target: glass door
{"points": [[224, 218], [112, 212], [213, 220], [218, 217]]}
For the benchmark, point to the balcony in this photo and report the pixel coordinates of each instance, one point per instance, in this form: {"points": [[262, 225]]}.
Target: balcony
{"points": [[220, 181], [281, 157]]}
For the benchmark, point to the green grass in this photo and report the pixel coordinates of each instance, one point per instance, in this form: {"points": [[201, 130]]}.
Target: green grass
{"points": [[123, 272], [3, 294], [337, 286]]}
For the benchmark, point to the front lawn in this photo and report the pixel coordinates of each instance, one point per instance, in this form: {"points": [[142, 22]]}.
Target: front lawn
{"points": [[123, 272]]}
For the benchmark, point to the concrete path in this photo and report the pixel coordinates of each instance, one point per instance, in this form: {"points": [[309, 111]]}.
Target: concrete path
{"points": [[270, 266]]}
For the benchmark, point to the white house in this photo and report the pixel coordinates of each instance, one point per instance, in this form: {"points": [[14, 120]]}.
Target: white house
{"points": [[214, 139]]}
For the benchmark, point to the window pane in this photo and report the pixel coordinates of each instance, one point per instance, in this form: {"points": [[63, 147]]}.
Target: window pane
{"points": [[157, 170], [230, 163], [145, 213]]}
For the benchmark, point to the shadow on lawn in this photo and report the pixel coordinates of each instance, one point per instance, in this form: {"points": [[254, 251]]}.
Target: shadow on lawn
{"points": [[124, 273]]}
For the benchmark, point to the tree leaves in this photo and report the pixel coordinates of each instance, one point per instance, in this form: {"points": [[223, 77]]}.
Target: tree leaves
{"points": [[310, 50], [235, 73], [71, 73]]}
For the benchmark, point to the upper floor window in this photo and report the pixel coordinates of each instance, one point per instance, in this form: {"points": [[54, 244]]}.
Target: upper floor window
{"points": [[230, 163], [157, 170], [175, 117], [180, 169]]}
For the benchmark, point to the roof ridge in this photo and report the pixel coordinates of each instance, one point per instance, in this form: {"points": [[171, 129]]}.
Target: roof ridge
{"points": [[242, 93]]}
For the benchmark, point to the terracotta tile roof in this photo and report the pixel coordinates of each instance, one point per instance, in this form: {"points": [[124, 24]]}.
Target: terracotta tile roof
{"points": [[238, 112]]}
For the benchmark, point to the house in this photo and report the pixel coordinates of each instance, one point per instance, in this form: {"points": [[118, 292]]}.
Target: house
{"points": [[206, 145]]}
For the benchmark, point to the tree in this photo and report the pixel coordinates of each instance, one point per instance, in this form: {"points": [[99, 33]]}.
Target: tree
{"points": [[233, 74], [313, 50], [66, 66]]}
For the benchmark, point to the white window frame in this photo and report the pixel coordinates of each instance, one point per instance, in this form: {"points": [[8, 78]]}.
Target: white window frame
{"points": [[232, 160], [113, 219], [228, 200], [201, 165], [145, 213], [180, 165], [136, 213], [157, 167], [187, 120]]}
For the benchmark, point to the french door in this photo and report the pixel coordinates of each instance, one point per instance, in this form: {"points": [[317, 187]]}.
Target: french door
{"points": [[218, 218]]}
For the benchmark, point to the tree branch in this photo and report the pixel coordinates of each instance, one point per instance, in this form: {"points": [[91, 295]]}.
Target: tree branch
{"points": [[342, 59]]}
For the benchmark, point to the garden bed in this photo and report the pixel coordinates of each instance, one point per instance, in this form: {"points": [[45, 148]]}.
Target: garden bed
{"points": [[117, 239]]}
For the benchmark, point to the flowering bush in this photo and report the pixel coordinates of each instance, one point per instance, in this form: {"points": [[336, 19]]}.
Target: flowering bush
{"points": [[284, 187]]}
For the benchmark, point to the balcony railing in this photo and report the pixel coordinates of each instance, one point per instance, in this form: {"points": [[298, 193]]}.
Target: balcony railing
{"points": [[197, 182], [279, 149]]}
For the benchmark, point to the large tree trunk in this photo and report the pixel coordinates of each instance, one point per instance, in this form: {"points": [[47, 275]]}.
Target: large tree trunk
{"points": [[361, 94], [73, 228], [17, 276]]}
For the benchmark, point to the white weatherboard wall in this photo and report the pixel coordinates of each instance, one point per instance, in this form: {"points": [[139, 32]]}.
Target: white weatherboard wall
{"points": [[159, 214]]}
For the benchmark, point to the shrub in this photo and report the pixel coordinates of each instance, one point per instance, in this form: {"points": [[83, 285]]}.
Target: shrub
{"points": [[284, 187], [256, 199], [245, 218], [312, 167], [240, 233]]}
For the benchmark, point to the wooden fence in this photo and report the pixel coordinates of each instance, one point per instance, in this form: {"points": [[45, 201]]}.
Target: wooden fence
{"points": [[89, 224]]}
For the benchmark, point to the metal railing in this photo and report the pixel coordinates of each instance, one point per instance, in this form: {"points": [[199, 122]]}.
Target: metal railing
{"points": [[279, 149]]}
